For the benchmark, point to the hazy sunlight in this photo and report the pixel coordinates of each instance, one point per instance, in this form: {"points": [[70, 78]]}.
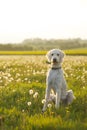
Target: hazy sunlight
{"points": [[20, 19]]}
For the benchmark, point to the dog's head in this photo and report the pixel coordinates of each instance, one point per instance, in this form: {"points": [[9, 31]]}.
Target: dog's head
{"points": [[55, 56]]}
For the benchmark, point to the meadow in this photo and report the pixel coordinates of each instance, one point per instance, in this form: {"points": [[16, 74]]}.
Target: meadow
{"points": [[22, 92]]}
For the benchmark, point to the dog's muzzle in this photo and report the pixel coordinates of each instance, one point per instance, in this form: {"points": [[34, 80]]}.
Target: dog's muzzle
{"points": [[54, 60]]}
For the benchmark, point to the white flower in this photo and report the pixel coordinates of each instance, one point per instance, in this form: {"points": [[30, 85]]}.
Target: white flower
{"points": [[9, 75], [18, 80], [35, 95], [23, 110], [29, 103], [31, 92], [83, 87], [49, 105], [43, 101], [14, 90], [26, 79], [17, 75]]}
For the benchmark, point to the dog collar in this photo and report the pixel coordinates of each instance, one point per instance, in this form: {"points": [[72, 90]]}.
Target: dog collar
{"points": [[56, 68]]}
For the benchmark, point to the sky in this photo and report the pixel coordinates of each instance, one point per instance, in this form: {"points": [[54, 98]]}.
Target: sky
{"points": [[46, 19]]}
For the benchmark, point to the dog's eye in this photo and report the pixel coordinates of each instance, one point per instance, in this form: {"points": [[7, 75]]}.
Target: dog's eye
{"points": [[57, 54], [52, 54]]}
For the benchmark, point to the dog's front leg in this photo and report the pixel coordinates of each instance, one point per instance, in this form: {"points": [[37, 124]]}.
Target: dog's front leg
{"points": [[46, 98], [58, 95]]}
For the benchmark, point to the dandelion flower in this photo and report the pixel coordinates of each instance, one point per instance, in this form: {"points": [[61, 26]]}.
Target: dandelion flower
{"points": [[35, 95], [29, 103], [49, 105], [30, 91], [43, 101], [23, 110], [26, 79], [83, 87]]}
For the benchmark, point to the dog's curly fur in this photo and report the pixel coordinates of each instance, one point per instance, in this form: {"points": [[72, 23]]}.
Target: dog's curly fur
{"points": [[55, 81]]}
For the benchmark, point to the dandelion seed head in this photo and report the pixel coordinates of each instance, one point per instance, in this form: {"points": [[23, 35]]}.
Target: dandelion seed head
{"points": [[29, 103], [43, 101], [26, 79], [23, 110], [49, 105], [83, 87], [31, 92], [35, 95]]}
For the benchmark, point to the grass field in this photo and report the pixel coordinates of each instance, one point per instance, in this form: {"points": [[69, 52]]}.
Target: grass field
{"points": [[22, 90], [79, 51]]}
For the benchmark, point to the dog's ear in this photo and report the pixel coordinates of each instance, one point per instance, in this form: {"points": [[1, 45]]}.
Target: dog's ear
{"points": [[48, 56]]}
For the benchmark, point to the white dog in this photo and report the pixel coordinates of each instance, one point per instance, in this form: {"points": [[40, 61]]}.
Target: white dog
{"points": [[56, 81]]}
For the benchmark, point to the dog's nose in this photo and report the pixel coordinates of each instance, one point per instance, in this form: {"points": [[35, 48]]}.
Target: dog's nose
{"points": [[54, 60]]}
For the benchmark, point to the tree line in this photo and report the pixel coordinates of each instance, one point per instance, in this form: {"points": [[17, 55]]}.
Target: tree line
{"points": [[44, 44]]}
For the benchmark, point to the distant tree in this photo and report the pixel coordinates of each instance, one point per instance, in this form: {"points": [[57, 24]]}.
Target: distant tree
{"points": [[43, 44]]}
